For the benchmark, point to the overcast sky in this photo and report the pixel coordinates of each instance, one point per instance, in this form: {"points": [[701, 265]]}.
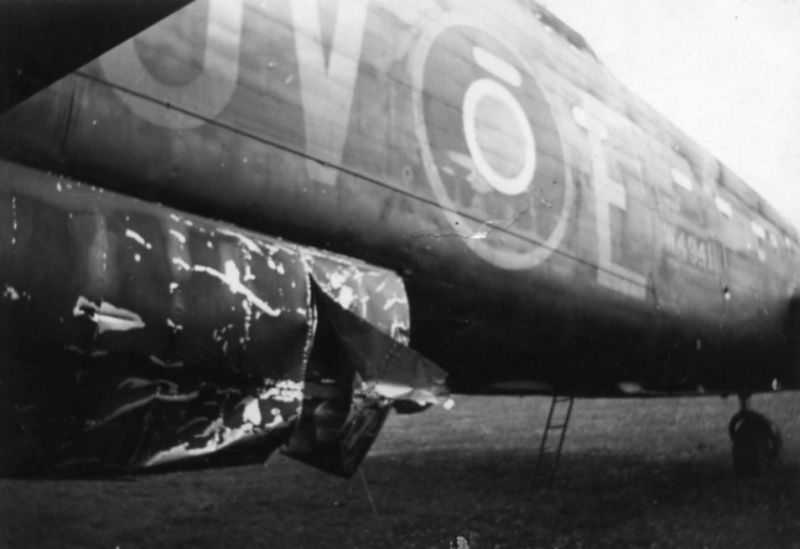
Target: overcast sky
{"points": [[725, 71]]}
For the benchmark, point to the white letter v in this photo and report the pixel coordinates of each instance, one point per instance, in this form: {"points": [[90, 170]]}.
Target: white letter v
{"points": [[327, 91]]}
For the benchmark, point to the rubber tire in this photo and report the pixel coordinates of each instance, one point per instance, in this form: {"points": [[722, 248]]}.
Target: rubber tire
{"points": [[756, 444]]}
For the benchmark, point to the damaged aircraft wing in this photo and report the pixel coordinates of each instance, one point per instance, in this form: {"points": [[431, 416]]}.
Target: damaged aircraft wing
{"points": [[174, 341]]}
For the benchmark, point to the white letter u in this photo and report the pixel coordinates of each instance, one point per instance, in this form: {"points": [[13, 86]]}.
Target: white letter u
{"points": [[200, 100]]}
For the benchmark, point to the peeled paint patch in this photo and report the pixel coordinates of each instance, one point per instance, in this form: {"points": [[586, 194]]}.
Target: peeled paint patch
{"points": [[181, 264], [176, 327], [107, 317], [396, 300], [401, 391], [10, 293], [399, 331], [219, 437], [133, 235], [178, 236], [392, 390], [371, 293], [337, 279], [346, 297], [284, 391], [248, 243], [278, 267], [233, 279], [252, 412]]}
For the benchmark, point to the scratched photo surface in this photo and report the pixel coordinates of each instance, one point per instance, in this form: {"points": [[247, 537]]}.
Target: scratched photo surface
{"points": [[306, 273]]}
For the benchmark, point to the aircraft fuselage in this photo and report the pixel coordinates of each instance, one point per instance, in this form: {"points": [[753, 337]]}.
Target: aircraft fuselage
{"points": [[552, 230]]}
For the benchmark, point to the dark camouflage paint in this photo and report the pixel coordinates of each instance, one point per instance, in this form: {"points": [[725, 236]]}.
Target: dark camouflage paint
{"points": [[137, 337]]}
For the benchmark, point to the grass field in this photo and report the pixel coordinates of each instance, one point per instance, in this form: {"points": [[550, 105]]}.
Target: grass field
{"points": [[634, 474]]}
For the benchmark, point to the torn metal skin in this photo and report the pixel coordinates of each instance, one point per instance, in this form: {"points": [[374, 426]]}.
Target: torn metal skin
{"points": [[138, 338]]}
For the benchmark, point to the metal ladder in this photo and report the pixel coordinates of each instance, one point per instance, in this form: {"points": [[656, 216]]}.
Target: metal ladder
{"points": [[544, 473]]}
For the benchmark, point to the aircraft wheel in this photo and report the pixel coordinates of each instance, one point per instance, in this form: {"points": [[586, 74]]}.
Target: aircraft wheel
{"points": [[756, 444]]}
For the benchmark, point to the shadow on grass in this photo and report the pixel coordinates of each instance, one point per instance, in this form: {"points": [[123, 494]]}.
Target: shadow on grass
{"points": [[424, 498], [632, 475]]}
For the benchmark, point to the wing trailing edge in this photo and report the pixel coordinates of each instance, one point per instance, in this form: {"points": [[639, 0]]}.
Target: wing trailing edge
{"points": [[43, 40]]}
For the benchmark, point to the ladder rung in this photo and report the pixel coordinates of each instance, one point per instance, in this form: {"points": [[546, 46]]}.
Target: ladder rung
{"points": [[545, 470]]}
